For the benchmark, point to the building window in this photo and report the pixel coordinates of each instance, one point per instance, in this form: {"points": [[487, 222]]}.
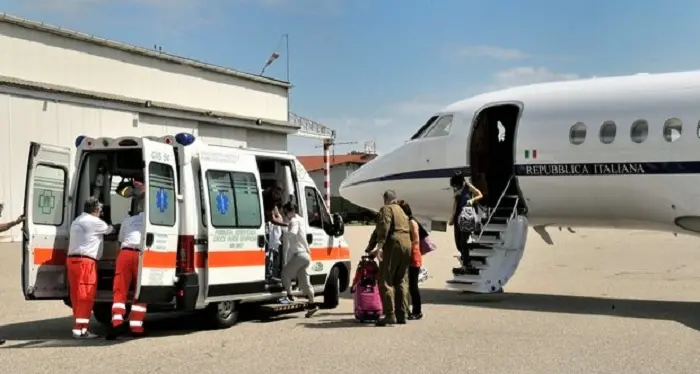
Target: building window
{"points": [[673, 127], [577, 133], [639, 131], [608, 132]]}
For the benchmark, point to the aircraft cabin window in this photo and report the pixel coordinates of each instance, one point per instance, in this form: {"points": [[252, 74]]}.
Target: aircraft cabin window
{"points": [[577, 133], [639, 131], [608, 132], [441, 127], [673, 127]]}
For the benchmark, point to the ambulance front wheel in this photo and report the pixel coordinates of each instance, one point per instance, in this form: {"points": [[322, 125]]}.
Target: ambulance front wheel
{"points": [[222, 315], [331, 293]]}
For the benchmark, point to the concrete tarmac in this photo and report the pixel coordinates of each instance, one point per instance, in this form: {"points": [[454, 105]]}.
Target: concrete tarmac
{"points": [[597, 301]]}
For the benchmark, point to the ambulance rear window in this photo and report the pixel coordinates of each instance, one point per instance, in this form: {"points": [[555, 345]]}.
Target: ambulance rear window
{"points": [[161, 194]]}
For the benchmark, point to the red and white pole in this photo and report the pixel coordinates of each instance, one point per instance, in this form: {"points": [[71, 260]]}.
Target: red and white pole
{"points": [[327, 172]]}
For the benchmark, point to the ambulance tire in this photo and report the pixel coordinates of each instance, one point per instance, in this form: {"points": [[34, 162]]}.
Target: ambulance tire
{"points": [[222, 315], [331, 293], [103, 313]]}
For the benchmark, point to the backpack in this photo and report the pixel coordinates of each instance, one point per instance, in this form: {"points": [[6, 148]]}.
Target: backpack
{"points": [[468, 220]]}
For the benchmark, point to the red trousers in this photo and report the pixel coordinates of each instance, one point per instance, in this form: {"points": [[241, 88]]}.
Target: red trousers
{"points": [[127, 269], [82, 283]]}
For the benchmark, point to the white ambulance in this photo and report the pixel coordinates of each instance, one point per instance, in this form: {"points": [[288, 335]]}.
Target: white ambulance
{"points": [[203, 232]]}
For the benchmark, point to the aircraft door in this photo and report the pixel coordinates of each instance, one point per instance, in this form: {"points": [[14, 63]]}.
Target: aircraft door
{"points": [[161, 224], [46, 228]]}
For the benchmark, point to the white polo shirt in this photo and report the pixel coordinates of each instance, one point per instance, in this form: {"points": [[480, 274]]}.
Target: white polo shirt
{"points": [[86, 236], [130, 232]]}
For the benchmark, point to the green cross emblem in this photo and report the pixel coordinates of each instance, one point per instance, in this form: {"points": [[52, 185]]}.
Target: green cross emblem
{"points": [[47, 201]]}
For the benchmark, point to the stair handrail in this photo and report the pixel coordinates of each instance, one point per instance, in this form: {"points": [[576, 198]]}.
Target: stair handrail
{"points": [[515, 210], [493, 211]]}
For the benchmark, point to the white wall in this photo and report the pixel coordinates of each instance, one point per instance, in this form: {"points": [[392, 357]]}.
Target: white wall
{"points": [[45, 121], [338, 175], [43, 57]]}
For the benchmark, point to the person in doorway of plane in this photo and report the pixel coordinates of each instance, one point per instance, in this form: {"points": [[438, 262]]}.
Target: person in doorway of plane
{"points": [[464, 194], [4, 227]]}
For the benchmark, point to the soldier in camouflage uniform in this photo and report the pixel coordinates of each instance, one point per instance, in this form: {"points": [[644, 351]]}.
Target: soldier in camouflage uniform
{"points": [[391, 243]]}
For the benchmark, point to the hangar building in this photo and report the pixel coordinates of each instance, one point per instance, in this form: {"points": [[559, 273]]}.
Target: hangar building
{"points": [[56, 84]]}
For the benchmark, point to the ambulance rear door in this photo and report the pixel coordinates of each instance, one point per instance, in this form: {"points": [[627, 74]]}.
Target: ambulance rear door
{"points": [[157, 263], [47, 225], [234, 261]]}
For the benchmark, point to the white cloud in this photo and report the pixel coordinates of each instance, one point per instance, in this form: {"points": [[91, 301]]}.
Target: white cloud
{"points": [[528, 75], [488, 51]]}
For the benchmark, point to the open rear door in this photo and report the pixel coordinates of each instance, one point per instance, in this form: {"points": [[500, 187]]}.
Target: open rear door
{"points": [[161, 225], [235, 259], [47, 224]]}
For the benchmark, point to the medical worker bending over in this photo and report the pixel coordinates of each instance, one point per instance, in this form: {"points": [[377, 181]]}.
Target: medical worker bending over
{"points": [[84, 250], [298, 257]]}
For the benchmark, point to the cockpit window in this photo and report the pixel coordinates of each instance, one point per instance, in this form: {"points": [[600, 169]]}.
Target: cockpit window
{"points": [[441, 127], [422, 129]]}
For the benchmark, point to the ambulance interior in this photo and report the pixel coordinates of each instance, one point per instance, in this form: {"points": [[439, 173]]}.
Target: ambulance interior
{"points": [[100, 173]]}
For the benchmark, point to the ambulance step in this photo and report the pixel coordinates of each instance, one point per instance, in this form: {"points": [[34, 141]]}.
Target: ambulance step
{"points": [[276, 308]]}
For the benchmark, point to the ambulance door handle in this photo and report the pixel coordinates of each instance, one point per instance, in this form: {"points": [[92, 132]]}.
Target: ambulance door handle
{"points": [[309, 238], [261, 241], [149, 239]]}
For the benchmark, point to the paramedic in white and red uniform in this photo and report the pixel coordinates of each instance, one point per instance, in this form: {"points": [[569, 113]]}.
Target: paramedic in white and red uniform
{"points": [[84, 250], [127, 267]]}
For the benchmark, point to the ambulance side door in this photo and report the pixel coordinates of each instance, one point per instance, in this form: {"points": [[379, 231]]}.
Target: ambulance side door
{"points": [[157, 263], [47, 225], [319, 224], [234, 262]]}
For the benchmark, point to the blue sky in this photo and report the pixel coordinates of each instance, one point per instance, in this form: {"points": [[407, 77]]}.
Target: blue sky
{"points": [[376, 69]]}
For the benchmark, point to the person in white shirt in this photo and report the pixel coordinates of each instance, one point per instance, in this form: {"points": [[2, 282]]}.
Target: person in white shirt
{"points": [[127, 265], [84, 250], [298, 257]]}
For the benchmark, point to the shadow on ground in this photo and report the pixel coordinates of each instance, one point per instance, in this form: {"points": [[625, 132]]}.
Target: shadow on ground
{"points": [[55, 332], [684, 312]]}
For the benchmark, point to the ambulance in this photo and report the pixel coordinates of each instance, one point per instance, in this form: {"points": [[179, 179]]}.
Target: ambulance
{"points": [[203, 232]]}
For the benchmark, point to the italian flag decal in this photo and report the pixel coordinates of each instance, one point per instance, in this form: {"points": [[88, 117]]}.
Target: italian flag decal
{"points": [[530, 154]]}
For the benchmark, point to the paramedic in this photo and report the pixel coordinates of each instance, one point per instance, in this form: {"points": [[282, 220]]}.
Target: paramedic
{"points": [[297, 248], [464, 194], [4, 227], [84, 250], [127, 265], [272, 202], [391, 242], [416, 263]]}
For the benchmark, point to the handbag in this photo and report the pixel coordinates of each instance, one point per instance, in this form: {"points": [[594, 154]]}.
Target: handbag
{"points": [[426, 245]]}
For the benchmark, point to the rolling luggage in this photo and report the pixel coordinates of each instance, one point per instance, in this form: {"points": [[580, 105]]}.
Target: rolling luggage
{"points": [[365, 289]]}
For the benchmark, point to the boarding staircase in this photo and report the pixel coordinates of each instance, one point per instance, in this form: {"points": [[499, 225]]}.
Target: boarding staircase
{"points": [[497, 248]]}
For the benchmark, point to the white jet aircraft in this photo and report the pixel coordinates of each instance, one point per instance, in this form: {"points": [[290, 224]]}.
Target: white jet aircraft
{"points": [[530, 151]]}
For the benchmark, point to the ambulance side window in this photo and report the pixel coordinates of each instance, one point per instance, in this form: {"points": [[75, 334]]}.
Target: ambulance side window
{"points": [[234, 199], [49, 188], [313, 208], [161, 194]]}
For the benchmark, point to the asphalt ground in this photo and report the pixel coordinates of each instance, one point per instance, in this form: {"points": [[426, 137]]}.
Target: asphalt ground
{"points": [[597, 301]]}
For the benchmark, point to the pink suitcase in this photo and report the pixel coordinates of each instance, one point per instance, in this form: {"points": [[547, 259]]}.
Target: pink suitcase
{"points": [[367, 303]]}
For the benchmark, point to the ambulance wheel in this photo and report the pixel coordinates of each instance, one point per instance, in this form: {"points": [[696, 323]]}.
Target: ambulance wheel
{"points": [[331, 293], [222, 315], [103, 313]]}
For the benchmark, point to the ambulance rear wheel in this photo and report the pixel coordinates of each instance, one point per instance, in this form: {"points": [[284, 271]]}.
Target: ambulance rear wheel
{"points": [[222, 315], [331, 293]]}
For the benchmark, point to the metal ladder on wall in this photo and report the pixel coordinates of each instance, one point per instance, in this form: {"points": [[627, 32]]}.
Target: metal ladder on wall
{"points": [[497, 249]]}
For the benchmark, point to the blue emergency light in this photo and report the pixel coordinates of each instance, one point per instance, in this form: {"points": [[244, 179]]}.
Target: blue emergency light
{"points": [[79, 140], [184, 138]]}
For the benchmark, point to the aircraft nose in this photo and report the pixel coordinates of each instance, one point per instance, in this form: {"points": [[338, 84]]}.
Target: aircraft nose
{"points": [[354, 187]]}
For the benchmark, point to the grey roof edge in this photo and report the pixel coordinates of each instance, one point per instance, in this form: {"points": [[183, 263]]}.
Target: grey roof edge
{"points": [[207, 116], [44, 27]]}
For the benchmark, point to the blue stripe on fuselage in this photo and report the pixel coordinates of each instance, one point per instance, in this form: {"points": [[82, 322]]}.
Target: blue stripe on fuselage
{"points": [[553, 170]]}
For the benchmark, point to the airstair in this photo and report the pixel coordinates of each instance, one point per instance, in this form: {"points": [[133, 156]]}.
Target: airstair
{"points": [[497, 248]]}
